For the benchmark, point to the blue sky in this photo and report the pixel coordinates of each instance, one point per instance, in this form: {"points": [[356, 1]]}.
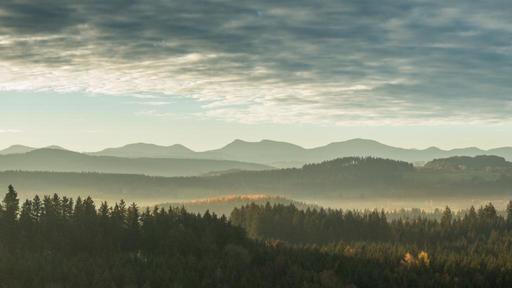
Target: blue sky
{"points": [[84, 122], [202, 73]]}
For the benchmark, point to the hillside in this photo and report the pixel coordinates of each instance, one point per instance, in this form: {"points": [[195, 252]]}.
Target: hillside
{"points": [[66, 161], [223, 205], [337, 180], [483, 162], [63, 241]]}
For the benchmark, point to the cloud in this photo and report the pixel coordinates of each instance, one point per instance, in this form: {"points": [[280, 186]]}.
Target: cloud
{"points": [[336, 62]]}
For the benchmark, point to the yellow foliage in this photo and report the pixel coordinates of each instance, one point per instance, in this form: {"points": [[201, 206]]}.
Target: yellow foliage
{"points": [[227, 198], [423, 258], [349, 251], [409, 259]]}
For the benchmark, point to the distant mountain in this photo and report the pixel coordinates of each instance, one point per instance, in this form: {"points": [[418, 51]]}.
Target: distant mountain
{"points": [[284, 155], [20, 149], [144, 150], [364, 147], [16, 149], [55, 147], [264, 151], [67, 161]]}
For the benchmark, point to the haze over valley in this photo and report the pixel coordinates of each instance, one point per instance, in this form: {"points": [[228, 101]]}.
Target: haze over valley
{"points": [[281, 154], [255, 144], [345, 182]]}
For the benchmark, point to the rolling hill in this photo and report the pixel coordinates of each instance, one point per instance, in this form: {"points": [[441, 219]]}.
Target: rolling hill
{"points": [[336, 180], [57, 160], [223, 205], [477, 163]]}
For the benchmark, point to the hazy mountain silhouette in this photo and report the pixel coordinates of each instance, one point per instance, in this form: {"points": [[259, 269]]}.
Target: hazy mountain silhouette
{"points": [[20, 149], [145, 150], [54, 147], [283, 154], [264, 151], [67, 161], [16, 149]]}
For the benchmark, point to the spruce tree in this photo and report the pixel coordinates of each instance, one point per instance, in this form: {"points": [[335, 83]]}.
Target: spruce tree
{"points": [[446, 219], [509, 214], [11, 205]]}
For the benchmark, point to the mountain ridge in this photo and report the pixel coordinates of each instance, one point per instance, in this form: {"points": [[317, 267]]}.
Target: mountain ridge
{"points": [[20, 149], [284, 154], [57, 160]]}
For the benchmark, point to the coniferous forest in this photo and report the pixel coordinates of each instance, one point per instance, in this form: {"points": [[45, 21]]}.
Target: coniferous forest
{"points": [[255, 144], [56, 241]]}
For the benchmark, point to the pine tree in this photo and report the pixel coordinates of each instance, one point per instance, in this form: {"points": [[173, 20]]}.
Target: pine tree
{"points": [[446, 219], [11, 205], [26, 213], [37, 208], [133, 217], [9, 217], [509, 214], [133, 223], [104, 211], [488, 214]]}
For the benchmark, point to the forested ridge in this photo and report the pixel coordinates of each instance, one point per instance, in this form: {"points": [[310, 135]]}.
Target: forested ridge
{"points": [[56, 241], [351, 177], [59, 160]]}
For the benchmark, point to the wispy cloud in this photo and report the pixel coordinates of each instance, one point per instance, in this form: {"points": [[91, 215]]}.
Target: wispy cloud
{"points": [[345, 62]]}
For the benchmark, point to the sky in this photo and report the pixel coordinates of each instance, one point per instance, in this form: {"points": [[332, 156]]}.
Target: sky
{"points": [[411, 73]]}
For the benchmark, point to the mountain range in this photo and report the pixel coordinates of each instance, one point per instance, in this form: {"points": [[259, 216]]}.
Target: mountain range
{"points": [[283, 154], [20, 149], [58, 160]]}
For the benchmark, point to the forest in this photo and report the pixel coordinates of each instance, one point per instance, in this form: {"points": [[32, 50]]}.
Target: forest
{"points": [[57, 241], [255, 144], [342, 178]]}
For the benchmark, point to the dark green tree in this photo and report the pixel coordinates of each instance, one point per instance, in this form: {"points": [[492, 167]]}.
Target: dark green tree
{"points": [[11, 205], [446, 219], [509, 214]]}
